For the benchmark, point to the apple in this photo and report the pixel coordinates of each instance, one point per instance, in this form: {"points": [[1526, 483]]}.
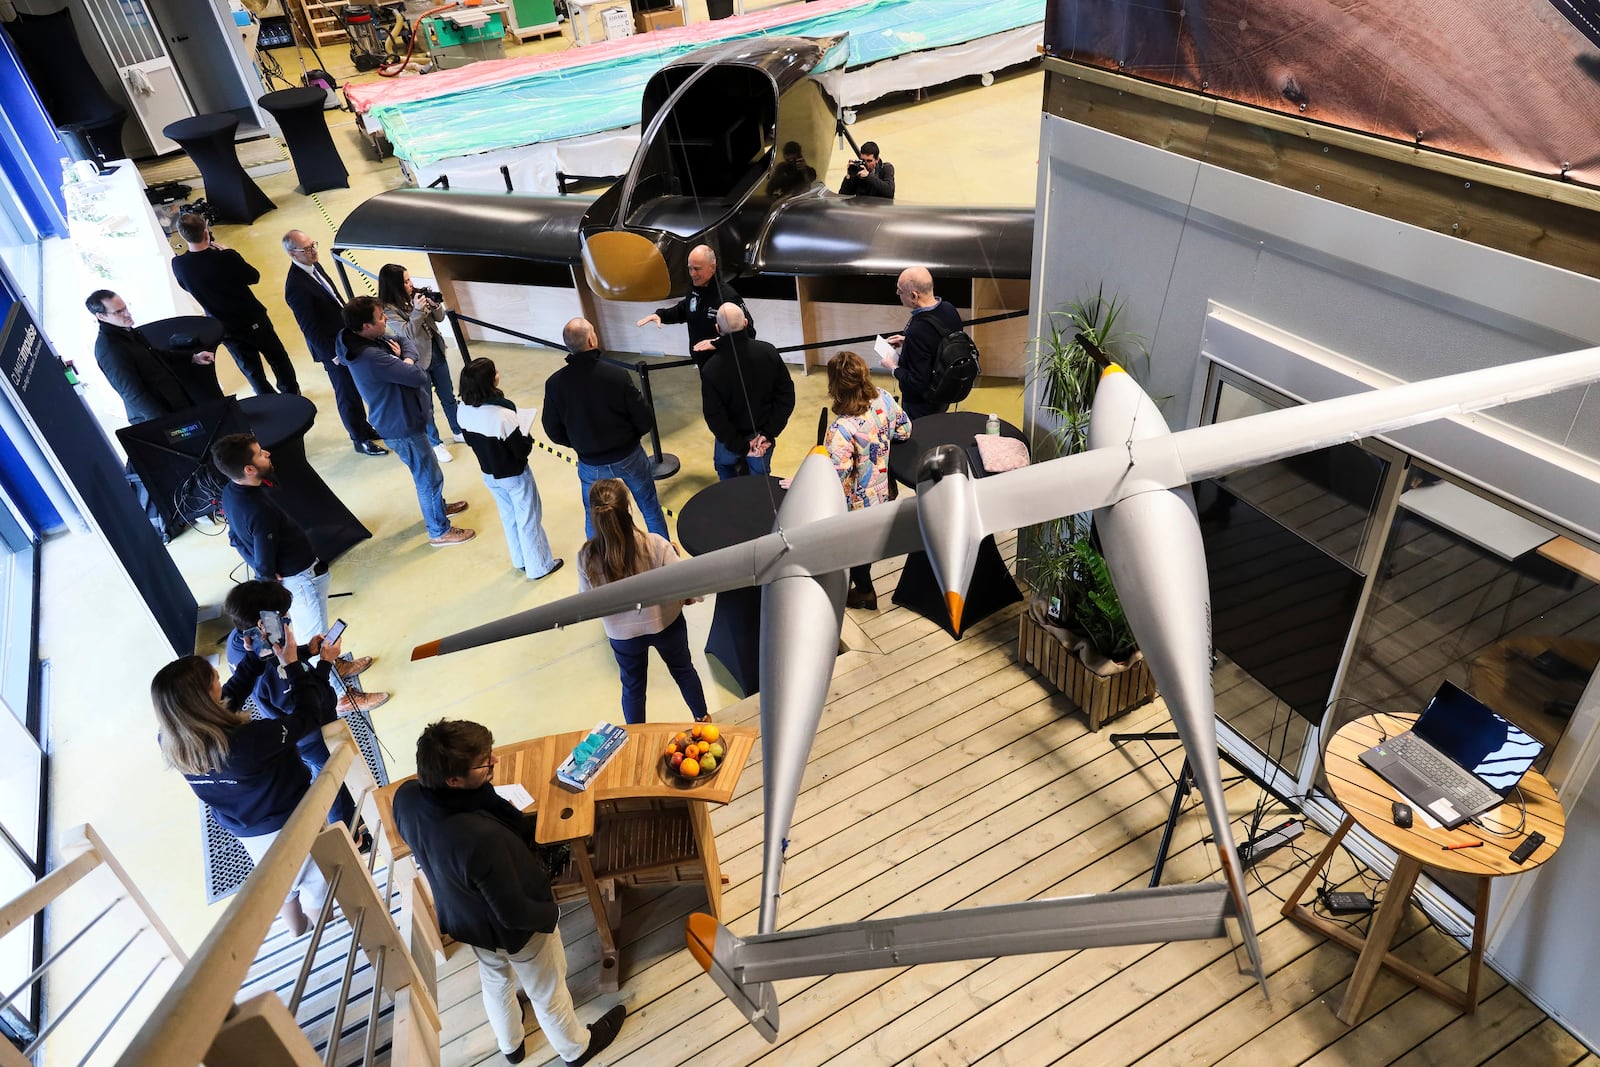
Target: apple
{"points": [[677, 760]]}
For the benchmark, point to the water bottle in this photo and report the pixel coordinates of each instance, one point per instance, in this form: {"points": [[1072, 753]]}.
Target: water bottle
{"points": [[992, 427], [68, 175]]}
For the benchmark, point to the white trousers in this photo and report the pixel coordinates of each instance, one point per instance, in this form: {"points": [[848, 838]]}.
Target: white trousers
{"points": [[309, 884], [540, 967]]}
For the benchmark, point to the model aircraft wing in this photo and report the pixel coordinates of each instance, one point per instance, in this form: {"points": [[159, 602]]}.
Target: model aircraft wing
{"points": [[831, 235], [1101, 477], [820, 547], [539, 228]]}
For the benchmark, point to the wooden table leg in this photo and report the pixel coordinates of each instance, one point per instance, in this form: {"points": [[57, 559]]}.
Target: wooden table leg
{"points": [[1291, 905], [1480, 921], [609, 971], [1396, 899], [706, 843]]}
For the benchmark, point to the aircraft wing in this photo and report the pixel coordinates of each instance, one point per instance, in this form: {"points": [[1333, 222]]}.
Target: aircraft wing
{"points": [[1101, 477], [831, 235], [820, 547], [539, 228]]}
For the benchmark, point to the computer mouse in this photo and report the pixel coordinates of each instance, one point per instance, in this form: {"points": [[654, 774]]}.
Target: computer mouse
{"points": [[1402, 815]]}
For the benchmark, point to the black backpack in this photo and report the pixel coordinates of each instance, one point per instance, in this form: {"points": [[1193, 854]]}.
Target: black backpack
{"points": [[955, 368]]}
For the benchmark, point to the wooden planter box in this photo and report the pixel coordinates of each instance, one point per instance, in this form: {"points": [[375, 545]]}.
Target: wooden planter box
{"points": [[1101, 699]]}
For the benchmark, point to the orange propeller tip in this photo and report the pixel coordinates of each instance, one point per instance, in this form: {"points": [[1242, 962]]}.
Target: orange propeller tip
{"points": [[425, 651], [818, 450], [1112, 368], [702, 938], [954, 602]]}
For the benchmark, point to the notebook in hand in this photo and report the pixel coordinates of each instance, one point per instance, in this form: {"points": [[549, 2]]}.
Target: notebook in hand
{"points": [[1459, 760]]}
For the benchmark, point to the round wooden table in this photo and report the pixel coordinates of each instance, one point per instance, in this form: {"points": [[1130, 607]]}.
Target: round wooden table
{"points": [[1368, 802]]}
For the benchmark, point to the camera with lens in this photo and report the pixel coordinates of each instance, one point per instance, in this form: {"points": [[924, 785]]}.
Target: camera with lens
{"points": [[432, 294], [856, 168]]}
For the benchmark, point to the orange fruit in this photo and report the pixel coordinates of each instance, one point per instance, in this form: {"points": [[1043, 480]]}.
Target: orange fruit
{"points": [[672, 748], [698, 731], [689, 768], [710, 731]]}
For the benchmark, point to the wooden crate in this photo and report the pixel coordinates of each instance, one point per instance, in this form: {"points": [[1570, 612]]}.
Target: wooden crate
{"points": [[1101, 699]]}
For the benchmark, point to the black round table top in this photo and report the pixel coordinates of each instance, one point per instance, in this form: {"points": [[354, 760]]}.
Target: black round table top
{"points": [[277, 418], [184, 333], [301, 96], [729, 513], [198, 127], [957, 428]]}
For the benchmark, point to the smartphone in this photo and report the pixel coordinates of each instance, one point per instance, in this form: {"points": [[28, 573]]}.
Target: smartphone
{"points": [[272, 627], [335, 632]]}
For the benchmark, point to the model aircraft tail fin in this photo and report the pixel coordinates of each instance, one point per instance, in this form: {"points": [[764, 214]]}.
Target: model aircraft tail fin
{"points": [[715, 949]]}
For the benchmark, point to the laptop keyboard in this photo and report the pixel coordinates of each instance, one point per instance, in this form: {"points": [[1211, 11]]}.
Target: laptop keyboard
{"points": [[1463, 788]]}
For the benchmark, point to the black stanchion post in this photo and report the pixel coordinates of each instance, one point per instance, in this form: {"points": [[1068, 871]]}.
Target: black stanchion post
{"points": [[666, 464], [461, 335]]}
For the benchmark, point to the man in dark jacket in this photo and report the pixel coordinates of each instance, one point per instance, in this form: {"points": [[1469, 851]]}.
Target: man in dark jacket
{"points": [[491, 892], [747, 396], [595, 409], [931, 319], [151, 382], [699, 308], [319, 310], [220, 279], [871, 175], [385, 369]]}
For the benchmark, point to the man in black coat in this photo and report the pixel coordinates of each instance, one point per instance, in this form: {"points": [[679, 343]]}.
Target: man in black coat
{"points": [[319, 309], [220, 279], [491, 892], [747, 396], [150, 381], [871, 175], [699, 308], [594, 409]]}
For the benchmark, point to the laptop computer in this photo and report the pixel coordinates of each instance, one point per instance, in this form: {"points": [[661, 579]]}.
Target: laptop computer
{"points": [[1459, 760]]}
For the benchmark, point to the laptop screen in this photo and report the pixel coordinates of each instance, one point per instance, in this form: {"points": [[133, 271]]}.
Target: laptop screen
{"points": [[1467, 731]]}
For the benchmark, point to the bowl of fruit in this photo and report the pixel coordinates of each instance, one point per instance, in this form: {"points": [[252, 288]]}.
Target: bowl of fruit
{"points": [[693, 755]]}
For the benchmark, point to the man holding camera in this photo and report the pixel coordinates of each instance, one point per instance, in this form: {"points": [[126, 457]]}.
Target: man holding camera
{"points": [[492, 892], [871, 175], [699, 308], [220, 279]]}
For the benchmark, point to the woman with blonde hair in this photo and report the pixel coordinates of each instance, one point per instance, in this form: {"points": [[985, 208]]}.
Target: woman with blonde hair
{"points": [[248, 770], [619, 549], [867, 419]]}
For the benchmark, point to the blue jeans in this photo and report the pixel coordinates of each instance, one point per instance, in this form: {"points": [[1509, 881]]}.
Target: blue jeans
{"points": [[415, 452], [439, 371], [517, 498], [633, 657], [314, 753], [727, 464], [638, 474]]}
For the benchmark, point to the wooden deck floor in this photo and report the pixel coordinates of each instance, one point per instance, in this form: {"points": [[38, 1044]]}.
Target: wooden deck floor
{"points": [[944, 775]]}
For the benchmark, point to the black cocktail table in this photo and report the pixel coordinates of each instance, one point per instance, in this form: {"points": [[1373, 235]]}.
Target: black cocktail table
{"points": [[992, 586], [299, 112], [186, 335], [729, 513], [230, 192]]}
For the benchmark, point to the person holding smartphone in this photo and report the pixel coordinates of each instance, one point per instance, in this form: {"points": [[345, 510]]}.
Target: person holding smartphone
{"points": [[249, 770]]}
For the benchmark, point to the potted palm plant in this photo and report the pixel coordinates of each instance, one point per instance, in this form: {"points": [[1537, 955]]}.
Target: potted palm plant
{"points": [[1074, 631]]}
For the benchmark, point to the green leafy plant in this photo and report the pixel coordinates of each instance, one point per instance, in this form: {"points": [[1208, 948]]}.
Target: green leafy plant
{"points": [[1059, 558]]}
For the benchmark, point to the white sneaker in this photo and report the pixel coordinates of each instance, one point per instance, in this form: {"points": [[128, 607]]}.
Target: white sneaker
{"points": [[461, 438], [442, 453]]}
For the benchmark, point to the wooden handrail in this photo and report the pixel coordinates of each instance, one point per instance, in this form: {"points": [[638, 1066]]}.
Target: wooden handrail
{"points": [[180, 1031]]}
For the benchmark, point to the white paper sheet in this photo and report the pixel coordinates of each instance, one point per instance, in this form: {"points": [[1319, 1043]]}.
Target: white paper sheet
{"points": [[515, 795]]}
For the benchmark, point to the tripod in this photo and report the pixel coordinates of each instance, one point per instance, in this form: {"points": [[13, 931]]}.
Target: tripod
{"points": [[1182, 788]]}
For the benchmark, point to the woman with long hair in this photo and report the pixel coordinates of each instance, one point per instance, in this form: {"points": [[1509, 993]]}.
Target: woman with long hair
{"points": [[417, 316], [248, 770], [867, 419], [497, 433], [619, 549]]}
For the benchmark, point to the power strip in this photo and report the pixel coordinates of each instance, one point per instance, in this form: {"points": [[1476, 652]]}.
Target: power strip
{"points": [[1257, 847], [1347, 903]]}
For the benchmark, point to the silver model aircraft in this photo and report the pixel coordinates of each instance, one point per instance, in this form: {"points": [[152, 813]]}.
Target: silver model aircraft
{"points": [[1135, 477]]}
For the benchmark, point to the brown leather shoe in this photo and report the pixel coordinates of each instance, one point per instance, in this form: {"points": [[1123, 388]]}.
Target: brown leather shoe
{"points": [[456, 535], [861, 598], [455, 507], [352, 701], [349, 668]]}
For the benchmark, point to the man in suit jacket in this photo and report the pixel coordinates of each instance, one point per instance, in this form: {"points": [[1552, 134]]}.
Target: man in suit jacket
{"points": [[319, 310], [220, 279], [150, 381]]}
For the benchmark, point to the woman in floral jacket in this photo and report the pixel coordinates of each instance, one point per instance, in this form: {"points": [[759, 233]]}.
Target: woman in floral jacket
{"points": [[867, 420]]}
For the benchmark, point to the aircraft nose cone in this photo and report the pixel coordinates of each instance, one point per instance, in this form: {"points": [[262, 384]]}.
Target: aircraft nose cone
{"points": [[625, 266]]}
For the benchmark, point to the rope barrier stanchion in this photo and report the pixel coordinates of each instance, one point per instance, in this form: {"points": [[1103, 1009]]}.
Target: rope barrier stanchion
{"points": [[666, 464], [461, 335]]}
